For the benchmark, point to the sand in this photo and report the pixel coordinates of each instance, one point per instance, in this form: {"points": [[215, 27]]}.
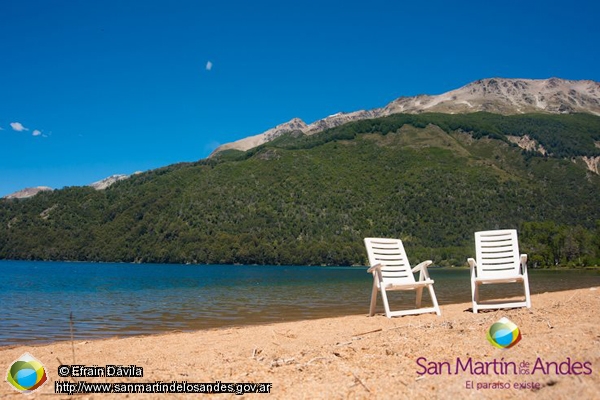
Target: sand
{"points": [[412, 357]]}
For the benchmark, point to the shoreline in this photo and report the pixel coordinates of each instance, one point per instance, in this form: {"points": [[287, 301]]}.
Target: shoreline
{"points": [[433, 266], [355, 356]]}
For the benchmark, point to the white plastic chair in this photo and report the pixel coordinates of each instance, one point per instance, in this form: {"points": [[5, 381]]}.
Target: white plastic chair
{"points": [[391, 271], [498, 261]]}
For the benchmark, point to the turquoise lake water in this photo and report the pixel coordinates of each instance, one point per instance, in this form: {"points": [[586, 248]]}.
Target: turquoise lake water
{"points": [[37, 298]]}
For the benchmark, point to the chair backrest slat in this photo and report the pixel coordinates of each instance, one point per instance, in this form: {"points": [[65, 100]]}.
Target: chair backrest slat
{"points": [[497, 253], [391, 255]]}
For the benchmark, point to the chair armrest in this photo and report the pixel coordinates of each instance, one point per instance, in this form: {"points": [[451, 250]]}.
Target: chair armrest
{"points": [[472, 265], [374, 268], [422, 265], [524, 264], [422, 268]]}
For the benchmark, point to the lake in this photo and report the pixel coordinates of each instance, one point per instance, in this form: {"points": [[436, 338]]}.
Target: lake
{"points": [[106, 299]]}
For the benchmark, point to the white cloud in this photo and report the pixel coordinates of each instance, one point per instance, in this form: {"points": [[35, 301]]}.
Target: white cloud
{"points": [[209, 65], [17, 126], [36, 132]]}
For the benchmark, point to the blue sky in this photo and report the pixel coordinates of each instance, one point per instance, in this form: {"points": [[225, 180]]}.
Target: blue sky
{"points": [[94, 88]]}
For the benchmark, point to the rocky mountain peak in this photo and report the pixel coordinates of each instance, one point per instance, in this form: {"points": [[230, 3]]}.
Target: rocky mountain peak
{"points": [[99, 185], [28, 192], [106, 182], [496, 95], [295, 124]]}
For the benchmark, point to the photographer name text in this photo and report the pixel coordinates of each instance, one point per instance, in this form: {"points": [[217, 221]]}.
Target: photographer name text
{"points": [[95, 371]]}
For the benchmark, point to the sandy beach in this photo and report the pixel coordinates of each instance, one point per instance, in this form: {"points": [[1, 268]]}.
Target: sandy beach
{"points": [[354, 357]]}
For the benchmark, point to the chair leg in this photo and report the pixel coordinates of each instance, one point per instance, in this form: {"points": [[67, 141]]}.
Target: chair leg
{"points": [[373, 300], [527, 294], [386, 305], [434, 300], [475, 295], [419, 296]]}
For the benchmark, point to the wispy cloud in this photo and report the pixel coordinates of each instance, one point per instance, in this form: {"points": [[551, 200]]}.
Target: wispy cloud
{"points": [[17, 126], [209, 65]]}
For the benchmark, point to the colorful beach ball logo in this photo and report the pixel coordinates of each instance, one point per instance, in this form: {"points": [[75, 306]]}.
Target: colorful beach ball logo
{"points": [[504, 334], [26, 374]]}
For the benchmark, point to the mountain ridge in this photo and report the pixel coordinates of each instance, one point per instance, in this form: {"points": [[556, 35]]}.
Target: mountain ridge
{"points": [[28, 192], [98, 185], [497, 95], [430, 179]]}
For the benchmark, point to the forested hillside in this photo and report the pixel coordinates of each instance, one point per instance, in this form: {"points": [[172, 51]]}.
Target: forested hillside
{"points": [[430, 179]]}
